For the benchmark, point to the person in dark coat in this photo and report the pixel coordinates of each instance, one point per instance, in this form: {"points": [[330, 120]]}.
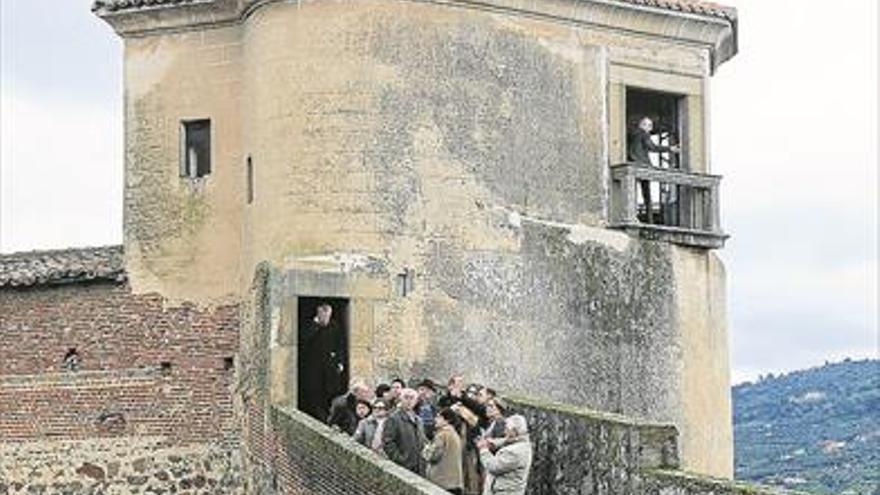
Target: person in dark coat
{"points": [[320, 363], [426, 408], [638, 148], [465, 402], [343, 409], [403, 435], [369, 430]]}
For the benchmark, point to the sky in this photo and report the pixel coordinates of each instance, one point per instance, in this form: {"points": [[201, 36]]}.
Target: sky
{"points": [[793, 131]]}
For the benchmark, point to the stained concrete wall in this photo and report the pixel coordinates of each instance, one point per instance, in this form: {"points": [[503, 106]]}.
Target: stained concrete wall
{"points": [[468, 147], [182, 236]]}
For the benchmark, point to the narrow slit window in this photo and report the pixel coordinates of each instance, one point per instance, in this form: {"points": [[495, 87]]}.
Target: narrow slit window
{"points": [[250, 180], [195, 160]]}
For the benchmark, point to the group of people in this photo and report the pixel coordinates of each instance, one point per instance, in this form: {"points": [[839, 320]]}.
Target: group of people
{"points": [[460, 438]]}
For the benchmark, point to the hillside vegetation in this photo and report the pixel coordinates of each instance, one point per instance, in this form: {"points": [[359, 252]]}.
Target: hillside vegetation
{"points": [[816, 430]]}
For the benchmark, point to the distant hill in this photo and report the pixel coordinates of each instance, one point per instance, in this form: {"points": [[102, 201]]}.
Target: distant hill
{"points": [[816, 430]]}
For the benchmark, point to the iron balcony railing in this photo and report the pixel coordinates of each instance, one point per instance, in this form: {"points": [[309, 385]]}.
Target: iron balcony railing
{"points": [[683, 207]]}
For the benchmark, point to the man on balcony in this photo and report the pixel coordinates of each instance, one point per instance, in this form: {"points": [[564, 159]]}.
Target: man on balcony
{"points": [[638, 147]]}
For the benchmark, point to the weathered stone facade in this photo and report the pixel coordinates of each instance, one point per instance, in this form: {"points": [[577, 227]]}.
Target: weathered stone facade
{"points": [[444, 167], [469, 148]]}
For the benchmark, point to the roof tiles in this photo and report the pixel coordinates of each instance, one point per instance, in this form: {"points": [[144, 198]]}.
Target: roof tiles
{"points": [[61, 266], [114, 5], [690, 6]]}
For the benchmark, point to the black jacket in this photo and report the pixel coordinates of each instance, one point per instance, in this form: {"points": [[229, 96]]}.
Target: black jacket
{"points": [[343, 413], [640, 144], [320, 360], [403, 437]]}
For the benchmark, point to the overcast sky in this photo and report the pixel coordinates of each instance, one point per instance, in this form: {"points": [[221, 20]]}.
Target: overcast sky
{"points": [[794, 132]]}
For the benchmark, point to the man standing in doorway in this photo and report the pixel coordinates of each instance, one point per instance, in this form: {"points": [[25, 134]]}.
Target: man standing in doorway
{"points": [[638, 147], [321, 364]]}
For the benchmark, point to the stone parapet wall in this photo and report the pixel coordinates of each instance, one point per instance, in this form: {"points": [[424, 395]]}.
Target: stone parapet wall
{"points": [[579, 451], [665, 482], [314, 459]]}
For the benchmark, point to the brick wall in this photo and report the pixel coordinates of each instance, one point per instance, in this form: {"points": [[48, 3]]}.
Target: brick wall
{"points": [[147, 375]]}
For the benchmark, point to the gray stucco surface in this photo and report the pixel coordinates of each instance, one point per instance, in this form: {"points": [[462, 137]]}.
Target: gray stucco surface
{"points": [[579, 323], [503, 105]]}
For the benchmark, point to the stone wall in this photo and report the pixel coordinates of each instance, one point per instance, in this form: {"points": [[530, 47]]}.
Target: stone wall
{"points": [[465, 147], [579, 451], [147, 404], [121, 465], [313, 459], [284, 450], [665, 482], [582, 451]]}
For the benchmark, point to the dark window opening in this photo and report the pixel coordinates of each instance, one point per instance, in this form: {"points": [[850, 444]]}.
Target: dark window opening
{"points": [[228, 363], [665, 113], [250, 180], [404, 282], [322, 353], [655, 128], [71, 360], [165, 367], [111, 419], [196, 148]]}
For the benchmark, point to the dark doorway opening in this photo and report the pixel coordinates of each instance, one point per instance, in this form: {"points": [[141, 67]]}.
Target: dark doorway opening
{"points": [[322, 354], [663, 147], [664, 110]]}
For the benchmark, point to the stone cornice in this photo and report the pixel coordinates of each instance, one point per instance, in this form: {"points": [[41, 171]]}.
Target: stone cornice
{"points": [[676, 21]]}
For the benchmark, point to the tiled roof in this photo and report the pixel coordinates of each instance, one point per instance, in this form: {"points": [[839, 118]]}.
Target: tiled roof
{"points": [[690, 6], [114, 5], [61, 266]]}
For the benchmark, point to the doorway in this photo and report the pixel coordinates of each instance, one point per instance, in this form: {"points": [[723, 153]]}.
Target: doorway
{"points": [[322, 353]]}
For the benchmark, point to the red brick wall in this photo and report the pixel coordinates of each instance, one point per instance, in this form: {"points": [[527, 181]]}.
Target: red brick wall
{"points": [[121, 340]]}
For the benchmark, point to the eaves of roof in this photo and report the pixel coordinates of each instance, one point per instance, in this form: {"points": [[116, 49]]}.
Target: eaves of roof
{"points": [[62, 266], [690, 6]]}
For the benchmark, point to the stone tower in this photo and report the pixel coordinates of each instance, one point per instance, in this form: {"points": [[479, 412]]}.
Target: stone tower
{"points": [[454, 175]]}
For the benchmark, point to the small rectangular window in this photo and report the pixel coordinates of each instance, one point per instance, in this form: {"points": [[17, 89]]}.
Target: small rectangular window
{"points": [[250, 180], [195, 160]]}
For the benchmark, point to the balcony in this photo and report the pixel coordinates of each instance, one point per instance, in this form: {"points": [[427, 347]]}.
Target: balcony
{"points": [[683, 207]]}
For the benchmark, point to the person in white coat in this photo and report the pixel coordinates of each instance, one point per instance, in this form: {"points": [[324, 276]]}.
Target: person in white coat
{"points": [[507, 471]]}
